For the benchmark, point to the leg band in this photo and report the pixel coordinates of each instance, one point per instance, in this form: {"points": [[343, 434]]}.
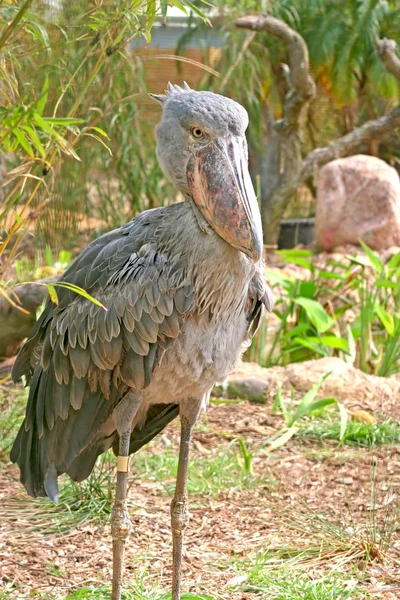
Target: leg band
{"points": [[123, 464]]}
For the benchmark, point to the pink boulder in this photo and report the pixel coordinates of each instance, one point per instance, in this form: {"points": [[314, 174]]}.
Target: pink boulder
{"points": [[358, 198]]}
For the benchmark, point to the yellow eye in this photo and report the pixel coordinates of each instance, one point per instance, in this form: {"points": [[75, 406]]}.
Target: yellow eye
{"points": [[197, 132]]}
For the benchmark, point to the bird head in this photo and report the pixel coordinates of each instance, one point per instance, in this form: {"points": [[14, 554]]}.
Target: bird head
{"points": [[202, 149]]}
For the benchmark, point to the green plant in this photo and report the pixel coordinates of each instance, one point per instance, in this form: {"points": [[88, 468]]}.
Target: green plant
{"points": [[355, 434], [289, 580], [12, 408], [30, 270], [294, 413], [137, 592], [47, 117], [349, 309], [228, 468]]}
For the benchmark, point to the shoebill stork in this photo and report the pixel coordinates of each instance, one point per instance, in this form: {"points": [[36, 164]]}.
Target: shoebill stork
{"points": [[183, 287]]}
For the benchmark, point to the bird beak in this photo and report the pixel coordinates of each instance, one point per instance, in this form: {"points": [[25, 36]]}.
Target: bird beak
{"points": [[220, 185]]}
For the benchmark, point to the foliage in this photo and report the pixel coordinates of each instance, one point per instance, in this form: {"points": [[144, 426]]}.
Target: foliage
{"points": [[30, 270], [130, 592], [289, 581], [47, 119], [308, 406], [229, 468], [349, 309], [340, 36], [355, 434]]}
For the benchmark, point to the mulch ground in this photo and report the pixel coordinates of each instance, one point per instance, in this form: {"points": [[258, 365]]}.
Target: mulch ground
{"points": [[301, 477]]}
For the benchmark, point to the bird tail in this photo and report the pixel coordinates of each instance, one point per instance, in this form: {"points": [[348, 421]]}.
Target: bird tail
{"points": [[54, 434]]}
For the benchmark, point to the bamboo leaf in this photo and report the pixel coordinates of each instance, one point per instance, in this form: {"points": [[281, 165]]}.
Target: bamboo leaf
{"points": [[78, 290], [41, 103], [52, 293], [22, 139], [35, 139]]}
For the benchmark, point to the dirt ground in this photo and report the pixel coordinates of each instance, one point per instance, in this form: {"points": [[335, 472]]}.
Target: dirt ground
{"points": [[299, 478]]}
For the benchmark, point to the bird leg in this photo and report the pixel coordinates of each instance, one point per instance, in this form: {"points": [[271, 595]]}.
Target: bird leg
{"points": [[179, 504], [120, 521]]}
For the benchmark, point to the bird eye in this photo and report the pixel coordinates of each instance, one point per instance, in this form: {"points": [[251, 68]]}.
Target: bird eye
{"points": [[197, 132]]}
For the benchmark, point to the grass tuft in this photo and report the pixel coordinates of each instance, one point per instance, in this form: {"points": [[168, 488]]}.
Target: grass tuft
{"points": [[291, 582], [131, 592], [12, 410], [356, 434], [226, 469]]}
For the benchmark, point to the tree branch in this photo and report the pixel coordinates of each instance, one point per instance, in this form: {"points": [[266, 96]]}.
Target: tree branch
{"points": [[386, 50], [349, 142], [293, 169], [302, 84]]}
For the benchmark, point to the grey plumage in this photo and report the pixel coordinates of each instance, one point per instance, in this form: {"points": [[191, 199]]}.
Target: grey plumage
{"points": [[181, 304]]}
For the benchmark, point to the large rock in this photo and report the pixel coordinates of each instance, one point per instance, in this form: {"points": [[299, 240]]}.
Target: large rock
{"points": [[355, 389], [358, 198]]}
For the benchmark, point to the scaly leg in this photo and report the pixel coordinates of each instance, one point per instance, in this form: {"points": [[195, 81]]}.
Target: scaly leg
{"points": [[120, 521], [179, 504]]}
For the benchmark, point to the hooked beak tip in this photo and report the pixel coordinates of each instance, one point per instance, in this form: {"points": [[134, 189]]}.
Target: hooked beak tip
{"points": [[255, 251]]}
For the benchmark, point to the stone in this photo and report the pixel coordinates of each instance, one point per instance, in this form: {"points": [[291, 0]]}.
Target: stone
{"points": [[358, 197], [358, 391]]}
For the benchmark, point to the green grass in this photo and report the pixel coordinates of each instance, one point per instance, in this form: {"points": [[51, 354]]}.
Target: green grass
{"points": [[225, 470], [131, 592], [356, 434], [12, 410], [92, 499], [289, 582]]}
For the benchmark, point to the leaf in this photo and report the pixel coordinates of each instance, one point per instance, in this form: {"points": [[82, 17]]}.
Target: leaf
{"points": [[386, 319], [41, 103], [4, 293], [306, 343], [309, 397], [282, 439], [302, 262], [344, 417], [332, 341], [350, 356], [19, 134], [394, 262], [63, 121], [295, 253], [164, 9], [386, 283], [316, 313], [52, 293], [100, 131], [373, 258], [18, 218], [78, 290], [96, 137], [35, 139], [307, 289], [308, 409]]}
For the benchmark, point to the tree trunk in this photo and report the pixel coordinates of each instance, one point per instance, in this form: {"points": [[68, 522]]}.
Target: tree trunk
{"points": [[282, 167]]}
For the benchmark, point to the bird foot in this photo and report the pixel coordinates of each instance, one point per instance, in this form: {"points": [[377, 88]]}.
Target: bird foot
{"points": [[120, 521], [179, 514]]}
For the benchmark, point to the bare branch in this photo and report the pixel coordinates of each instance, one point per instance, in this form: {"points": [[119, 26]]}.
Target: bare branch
{"points": [[299, 63], [292, 170], [386, 50], [349, 142]]}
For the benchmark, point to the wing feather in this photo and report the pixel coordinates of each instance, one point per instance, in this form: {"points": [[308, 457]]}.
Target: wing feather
{"points": [[83, 358]]}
